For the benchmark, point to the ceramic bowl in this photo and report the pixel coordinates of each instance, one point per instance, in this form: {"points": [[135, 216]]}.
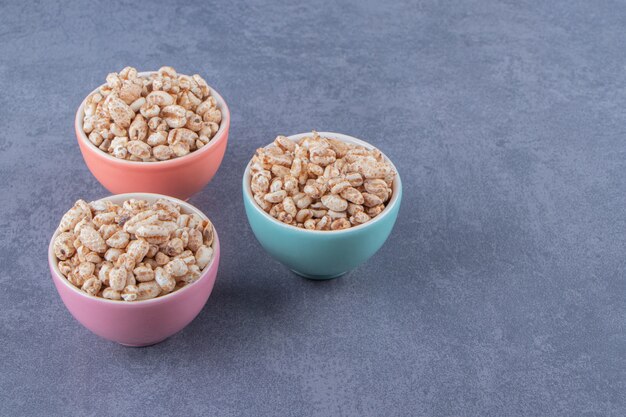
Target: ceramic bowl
{"points": [[138, 323], [321, 254], [179, 177]]}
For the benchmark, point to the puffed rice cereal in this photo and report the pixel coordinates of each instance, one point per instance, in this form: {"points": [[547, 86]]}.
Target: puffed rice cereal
{"points": [[320, 183], [132, 252], [155, 118]]}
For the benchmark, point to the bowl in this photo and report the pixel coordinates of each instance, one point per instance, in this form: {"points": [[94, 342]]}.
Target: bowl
{"points": [[138, 323], [179, 177], [322, 254]]}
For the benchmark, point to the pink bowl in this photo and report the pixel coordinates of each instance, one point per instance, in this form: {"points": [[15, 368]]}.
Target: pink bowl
{"points": [[179, 177], [138, 323]]}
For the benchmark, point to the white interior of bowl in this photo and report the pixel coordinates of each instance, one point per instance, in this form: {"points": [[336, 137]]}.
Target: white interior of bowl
{"points": [[396, 186], [186, 208], [221, 104]]}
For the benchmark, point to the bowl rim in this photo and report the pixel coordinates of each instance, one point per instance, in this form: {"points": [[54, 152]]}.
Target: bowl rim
{"points": [[53, 260], [218, 137], [395, 197]]}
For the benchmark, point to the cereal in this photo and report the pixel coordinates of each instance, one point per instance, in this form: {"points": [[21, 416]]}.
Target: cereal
{"points": [[165, 280], [134, 251], [92, 240], [63, 245], [148, 290], [111, 294], [203, 256], [320, 183], [153, 118], [130, 293], [91, 286]]}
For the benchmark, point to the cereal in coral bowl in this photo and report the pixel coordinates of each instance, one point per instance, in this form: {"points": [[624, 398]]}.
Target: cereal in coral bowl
{"points": [[321, 203], [134, 268], [160, 132]]}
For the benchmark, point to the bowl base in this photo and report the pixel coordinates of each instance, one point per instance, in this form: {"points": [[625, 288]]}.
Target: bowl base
{"points": [[317, 277]]}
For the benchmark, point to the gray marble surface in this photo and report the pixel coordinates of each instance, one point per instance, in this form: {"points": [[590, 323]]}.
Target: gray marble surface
{"points": [[501, 291]]}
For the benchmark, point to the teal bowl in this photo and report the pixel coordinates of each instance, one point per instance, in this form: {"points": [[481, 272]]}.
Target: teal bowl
{"points": [[322, 254]]}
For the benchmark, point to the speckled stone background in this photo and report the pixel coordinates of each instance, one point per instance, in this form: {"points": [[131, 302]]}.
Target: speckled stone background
{"points": [[501, 291]]}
